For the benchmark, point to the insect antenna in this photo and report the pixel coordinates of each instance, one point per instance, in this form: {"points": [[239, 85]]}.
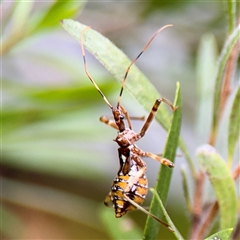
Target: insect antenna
{"points": [[86, 70], [143, 50]]}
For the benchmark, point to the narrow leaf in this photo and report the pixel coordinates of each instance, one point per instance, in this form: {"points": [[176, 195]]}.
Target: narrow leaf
{"points": [[222, 235], [234, 127], [17, 19], [116, 62], [169, 221], [59, 10], [21, 15], [222, 182], [163, 183], [50, 200], [188, 158], [231, 15], [186, 189], [206, 68], [226, 51]]}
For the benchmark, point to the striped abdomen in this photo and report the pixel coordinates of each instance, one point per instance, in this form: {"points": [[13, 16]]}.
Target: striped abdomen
{"points": [[121, 185]]}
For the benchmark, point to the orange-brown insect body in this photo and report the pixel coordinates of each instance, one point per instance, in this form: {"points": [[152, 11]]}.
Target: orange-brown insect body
{"points": [[137, 190], [130, 187]]}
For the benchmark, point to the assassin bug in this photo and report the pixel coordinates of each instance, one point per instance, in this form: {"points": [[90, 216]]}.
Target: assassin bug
{"points": [[130, 186]]}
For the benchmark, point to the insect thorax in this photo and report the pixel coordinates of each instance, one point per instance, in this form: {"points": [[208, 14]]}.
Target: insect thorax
{"points": [[126, 138]]}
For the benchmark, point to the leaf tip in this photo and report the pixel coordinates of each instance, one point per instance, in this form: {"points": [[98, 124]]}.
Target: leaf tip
{"points": [[205, 149]]}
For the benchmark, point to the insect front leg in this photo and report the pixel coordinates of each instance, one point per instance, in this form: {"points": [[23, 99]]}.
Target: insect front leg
{"points": [[130, 118], [109, 122], [112, 123]]}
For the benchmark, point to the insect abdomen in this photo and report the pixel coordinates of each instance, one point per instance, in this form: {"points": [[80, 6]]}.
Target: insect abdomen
{"points": [[137, 193]]}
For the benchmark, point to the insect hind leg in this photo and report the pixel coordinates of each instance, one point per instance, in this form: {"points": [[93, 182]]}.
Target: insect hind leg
{"points": [[126, 191], [135, 179], [148, 213]]}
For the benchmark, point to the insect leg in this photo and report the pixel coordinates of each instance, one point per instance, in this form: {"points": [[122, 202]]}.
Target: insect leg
{"points": [[160, 159], [133, 181], [148, 213], [138, 152], [137, 118], [152, 114], [138, 160], [126, 116], [109, 122]]}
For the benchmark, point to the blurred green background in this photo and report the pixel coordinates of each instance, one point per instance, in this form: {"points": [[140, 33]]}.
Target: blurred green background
{"points": [[58, 160]]}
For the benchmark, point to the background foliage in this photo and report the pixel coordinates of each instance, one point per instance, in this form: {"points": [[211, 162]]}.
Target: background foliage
{"points": [[57, 158]]}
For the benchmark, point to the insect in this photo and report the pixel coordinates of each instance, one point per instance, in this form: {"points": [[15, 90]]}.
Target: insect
{"points": [[129, 190], [130, 186]]}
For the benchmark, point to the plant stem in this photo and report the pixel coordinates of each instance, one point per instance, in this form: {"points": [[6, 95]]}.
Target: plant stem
{"points": [[208, 221], [213, 210], [228, 76], [197, 204]]}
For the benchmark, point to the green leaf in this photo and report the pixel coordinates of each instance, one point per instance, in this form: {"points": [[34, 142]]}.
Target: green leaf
{"points": [[222, 235], [59, 10], [233, 127], [41, 130], [231, 15], [222, 182], [185, 151], [227, 49], [50, 200], [46, 18], [116, 62], [206, 68], [186, 189], [163, 183], [21, 15], [169, 221], [15, 24], [123, 228], [57, 146], [39, 104]]}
